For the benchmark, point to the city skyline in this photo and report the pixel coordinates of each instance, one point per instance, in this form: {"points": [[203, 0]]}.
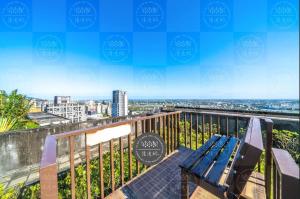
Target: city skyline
{"points": [[181, 58], [118, 105], [132, 98]]}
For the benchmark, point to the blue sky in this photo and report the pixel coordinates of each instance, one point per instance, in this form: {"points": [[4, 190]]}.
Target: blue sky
{"points": [[152, 49]]}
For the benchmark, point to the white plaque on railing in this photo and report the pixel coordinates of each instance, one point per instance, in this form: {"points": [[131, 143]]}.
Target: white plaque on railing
{"points": [[108, 134]]}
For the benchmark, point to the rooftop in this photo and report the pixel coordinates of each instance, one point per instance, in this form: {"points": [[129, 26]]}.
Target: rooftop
{"points": [[44, 119]]}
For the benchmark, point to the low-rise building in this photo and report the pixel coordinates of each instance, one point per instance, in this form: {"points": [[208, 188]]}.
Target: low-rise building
{"points": [[90, 107], [63, 107], [62, 100], [73, 111], [37, 105], [104, 108]]}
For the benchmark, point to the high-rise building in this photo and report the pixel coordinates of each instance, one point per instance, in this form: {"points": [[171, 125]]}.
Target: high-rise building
{"points": [[119, 103]]}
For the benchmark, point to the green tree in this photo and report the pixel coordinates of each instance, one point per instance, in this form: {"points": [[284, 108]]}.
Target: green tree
{"points": [[10, 193], [14, 108], [287, 140]]}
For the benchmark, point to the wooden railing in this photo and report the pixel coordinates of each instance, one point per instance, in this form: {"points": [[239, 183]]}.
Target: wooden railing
{"points": [[186, 128], [204, 122], [268, 162], [164, 124], [285, 178], [210, 123]]}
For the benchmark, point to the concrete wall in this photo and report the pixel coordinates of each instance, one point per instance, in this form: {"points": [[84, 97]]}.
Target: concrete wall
{"points": [[21, 151]]}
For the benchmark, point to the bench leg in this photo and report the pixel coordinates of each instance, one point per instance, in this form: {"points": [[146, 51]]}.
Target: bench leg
{"points": [[184, 185]]}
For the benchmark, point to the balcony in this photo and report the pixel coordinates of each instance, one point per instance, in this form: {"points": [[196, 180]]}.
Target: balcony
{"points": [[107, 175]]}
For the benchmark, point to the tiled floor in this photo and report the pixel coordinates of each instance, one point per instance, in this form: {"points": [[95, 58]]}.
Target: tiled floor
{"points": [[162, 181]]}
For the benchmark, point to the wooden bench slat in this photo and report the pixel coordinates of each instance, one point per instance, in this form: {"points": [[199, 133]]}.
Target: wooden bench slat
{"points": [[196, 155], [217, 170], [202, 166]]}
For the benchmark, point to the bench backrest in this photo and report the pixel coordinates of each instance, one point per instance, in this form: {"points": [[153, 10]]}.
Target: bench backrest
{"points": [[247, 157]]}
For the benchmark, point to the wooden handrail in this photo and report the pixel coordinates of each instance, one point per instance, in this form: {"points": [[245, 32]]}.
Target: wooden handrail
{"points": [[95, 129], [48, 166], [252, 113], [218, 114], [285, 175], [48, 169]]}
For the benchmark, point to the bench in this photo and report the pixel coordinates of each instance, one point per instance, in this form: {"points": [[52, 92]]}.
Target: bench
{"points": [[206, 165]]}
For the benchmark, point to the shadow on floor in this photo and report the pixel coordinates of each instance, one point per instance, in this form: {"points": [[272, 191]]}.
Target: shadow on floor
{"points": [[162, 181]]}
